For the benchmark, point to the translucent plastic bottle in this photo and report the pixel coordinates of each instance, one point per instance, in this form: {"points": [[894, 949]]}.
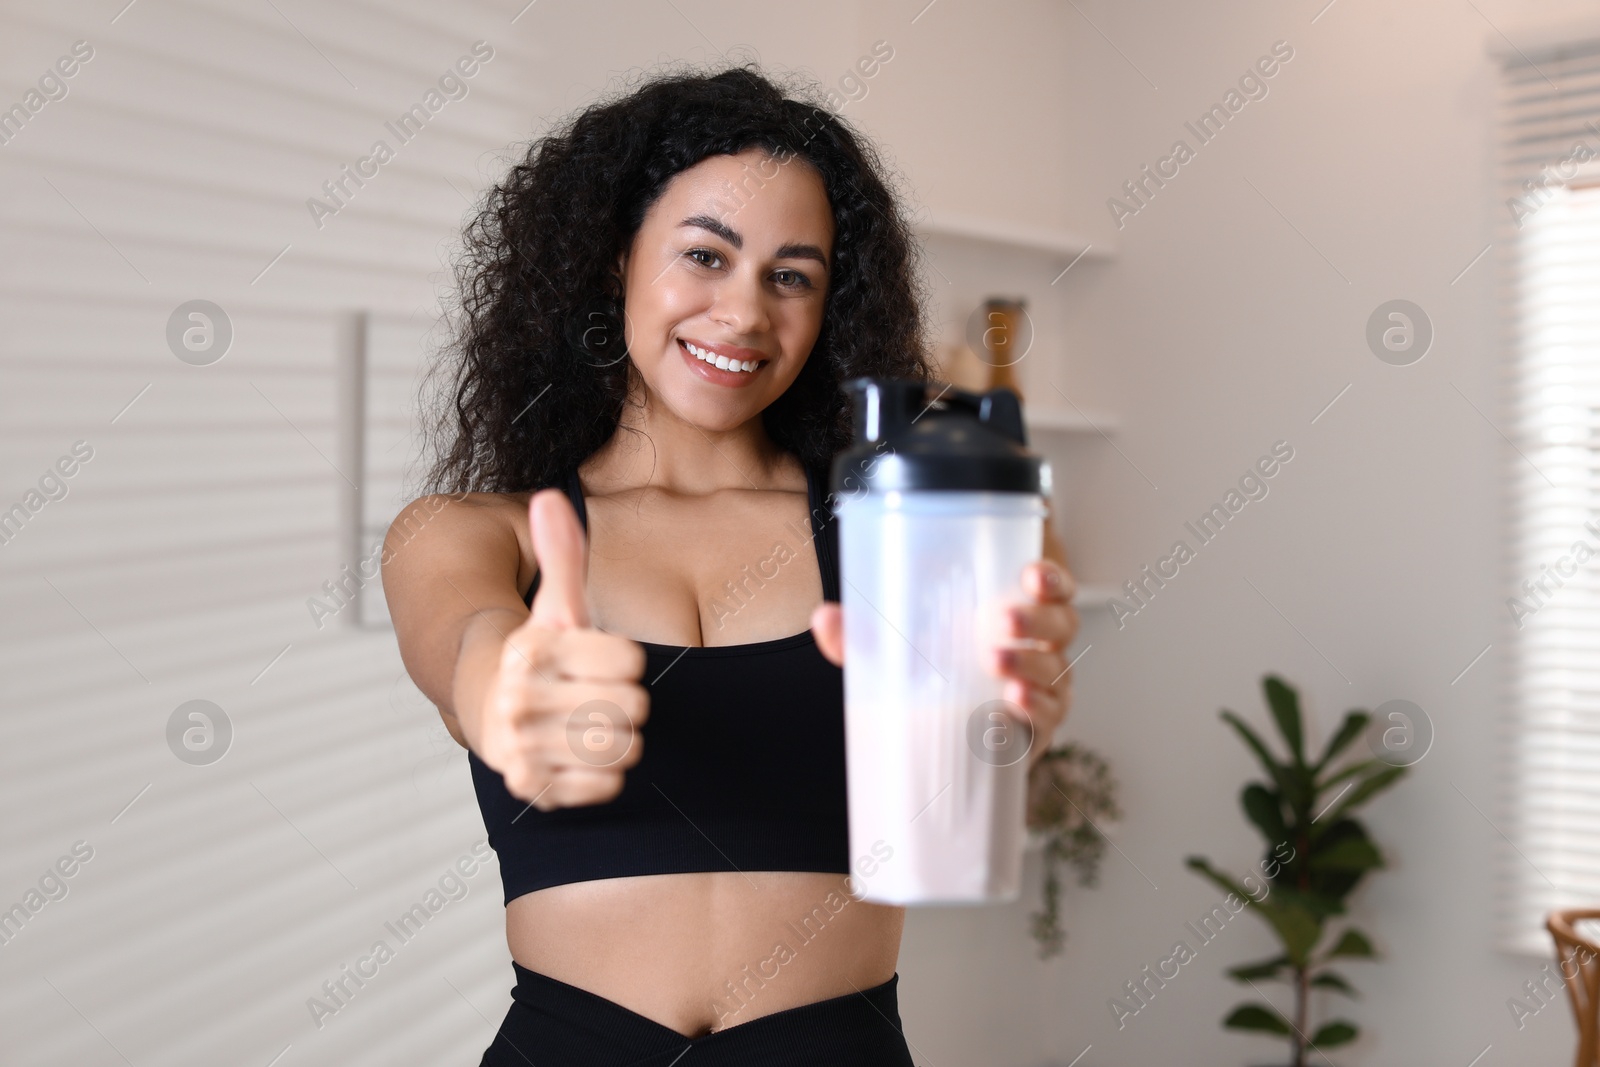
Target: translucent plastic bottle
{"points": [[940, 507]]}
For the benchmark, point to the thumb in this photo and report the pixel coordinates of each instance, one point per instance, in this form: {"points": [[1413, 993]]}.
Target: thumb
{"points": [[827, 626], [559, 549]]}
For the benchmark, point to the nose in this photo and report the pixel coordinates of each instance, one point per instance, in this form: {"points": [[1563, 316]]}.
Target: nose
{"points": [[742, 305]]}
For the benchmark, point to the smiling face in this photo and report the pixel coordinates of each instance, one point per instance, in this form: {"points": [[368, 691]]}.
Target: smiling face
{"points": [[718, 282]]}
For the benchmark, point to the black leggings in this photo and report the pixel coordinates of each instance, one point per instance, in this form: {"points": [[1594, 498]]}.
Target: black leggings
{"points": [[553, 1024]]}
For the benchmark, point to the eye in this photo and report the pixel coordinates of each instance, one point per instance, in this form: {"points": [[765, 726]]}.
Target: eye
{"points": [[800, 282], [693, 252]]}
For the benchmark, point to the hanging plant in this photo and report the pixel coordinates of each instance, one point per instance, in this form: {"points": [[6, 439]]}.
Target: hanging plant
{"points": [[1070, 794]]}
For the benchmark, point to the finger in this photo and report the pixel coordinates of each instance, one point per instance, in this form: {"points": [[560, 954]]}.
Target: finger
{"points": [[582, 746], [1044, 707], [576, 786], [533, 790], [1048, 580], [827, 626], [1052, 621], [1033, 666], [588, 655], [556, 706], [599, 734], [558, 550], [571, 655]]}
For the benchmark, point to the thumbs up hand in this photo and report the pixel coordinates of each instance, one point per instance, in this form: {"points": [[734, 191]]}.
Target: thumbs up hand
{"points": [[561, 713]]}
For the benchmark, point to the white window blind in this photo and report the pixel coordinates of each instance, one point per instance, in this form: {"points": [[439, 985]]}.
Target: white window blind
{"points": [[1550, 292]]}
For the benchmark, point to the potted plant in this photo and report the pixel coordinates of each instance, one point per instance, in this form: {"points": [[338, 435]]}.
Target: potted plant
{"points": [[1317, 855], [1070, 792]]}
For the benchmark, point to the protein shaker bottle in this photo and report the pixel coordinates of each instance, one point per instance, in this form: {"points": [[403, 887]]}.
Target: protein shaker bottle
{"points": [[940, 506]]}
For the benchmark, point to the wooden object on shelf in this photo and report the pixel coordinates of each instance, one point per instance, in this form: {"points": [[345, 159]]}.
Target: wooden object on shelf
{"points": [[1580, 968], [1002, 341]]}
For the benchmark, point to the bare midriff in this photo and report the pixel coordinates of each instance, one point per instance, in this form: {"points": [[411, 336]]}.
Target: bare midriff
{"points": [[704, 951]]}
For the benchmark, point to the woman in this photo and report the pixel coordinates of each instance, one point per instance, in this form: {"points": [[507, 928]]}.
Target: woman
{"points": [[660, 302]]}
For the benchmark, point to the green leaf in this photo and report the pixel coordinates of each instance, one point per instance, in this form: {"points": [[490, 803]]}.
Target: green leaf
{"points": [[1274, 769], [1353, 854], [1293, 919], [1334, 1034], [1367, 788], [1293, 782], [1318, 905], [1250, 972], [1202, 866], [1352, 943], [1285, 704], [1298, 927], [1354, 722], [1352, 770], [1256, 1017], [1363, 791], [1265, 809], [1335, 981]]}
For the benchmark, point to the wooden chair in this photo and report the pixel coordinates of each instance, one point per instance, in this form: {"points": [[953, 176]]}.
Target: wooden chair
{"points": [[1579, 960]]}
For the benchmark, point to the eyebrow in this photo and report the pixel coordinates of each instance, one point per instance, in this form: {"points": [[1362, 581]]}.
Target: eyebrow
{"points": [[792, 250]]}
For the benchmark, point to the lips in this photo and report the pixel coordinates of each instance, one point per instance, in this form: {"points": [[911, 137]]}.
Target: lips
{"points": [[716, 375]]}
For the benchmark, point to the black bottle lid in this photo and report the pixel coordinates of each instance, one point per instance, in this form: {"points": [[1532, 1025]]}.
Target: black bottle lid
{"points": [[912, 435]]}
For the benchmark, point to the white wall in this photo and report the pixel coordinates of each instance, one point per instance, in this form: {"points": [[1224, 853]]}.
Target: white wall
{"points": [[1216, 331], [179, 565]]}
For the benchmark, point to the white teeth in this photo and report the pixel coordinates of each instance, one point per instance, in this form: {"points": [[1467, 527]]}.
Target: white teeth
{"points": [[722, 362]]}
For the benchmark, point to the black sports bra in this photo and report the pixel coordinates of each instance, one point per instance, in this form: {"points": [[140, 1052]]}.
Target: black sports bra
{"points": [[742, 770]]}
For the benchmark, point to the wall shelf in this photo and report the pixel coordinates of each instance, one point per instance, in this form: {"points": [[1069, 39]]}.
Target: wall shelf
{"points": [[1060, 243], [1010, 263], [1093, 596], [1047, 418]]}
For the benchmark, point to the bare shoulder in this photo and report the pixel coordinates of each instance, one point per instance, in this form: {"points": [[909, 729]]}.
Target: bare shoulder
{"points": [[441, 528], [458, 511]]}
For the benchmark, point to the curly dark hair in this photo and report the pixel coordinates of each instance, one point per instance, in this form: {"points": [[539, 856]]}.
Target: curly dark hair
{"points": [[538, 370]]}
